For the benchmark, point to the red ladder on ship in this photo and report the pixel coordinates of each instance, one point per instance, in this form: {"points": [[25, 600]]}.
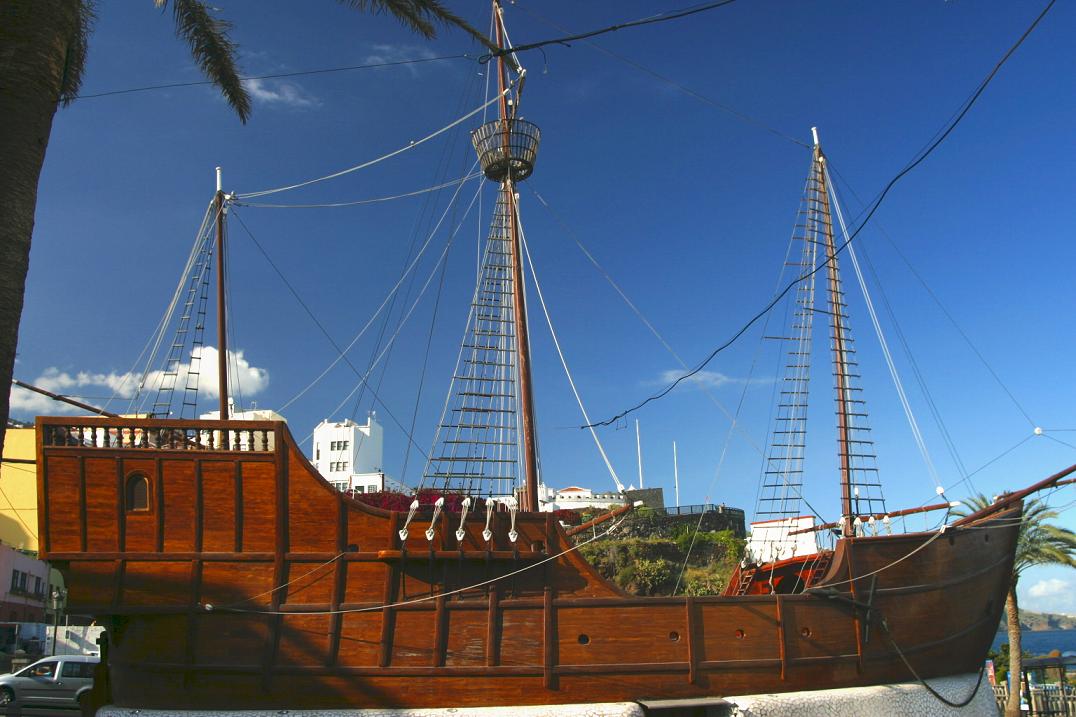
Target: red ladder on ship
{"points": [[825, 559]]}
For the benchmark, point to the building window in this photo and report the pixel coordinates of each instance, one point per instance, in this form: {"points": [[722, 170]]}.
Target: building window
{"points": [[344, 445], [137, 492], [317, 452], [22, 581], [373, 489], [14, 579], [37, 586]]}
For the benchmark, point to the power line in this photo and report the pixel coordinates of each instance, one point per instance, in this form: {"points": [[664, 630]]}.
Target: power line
{"points": [[748, 119], [320, 71], [877, 203], [660, 17]]}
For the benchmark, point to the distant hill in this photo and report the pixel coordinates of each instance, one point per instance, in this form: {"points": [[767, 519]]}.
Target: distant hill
{"points": [[1039, 621]]}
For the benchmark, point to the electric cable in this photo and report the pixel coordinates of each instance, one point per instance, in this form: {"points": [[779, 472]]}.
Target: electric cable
{"points": [[652, 19], [280, 75], [874, 208]]}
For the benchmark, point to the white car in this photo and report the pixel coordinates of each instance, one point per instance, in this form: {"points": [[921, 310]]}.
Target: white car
{"points": [[59, 681]]}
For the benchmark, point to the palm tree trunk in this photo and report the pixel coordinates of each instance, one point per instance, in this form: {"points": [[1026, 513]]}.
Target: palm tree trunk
{"points": [[35, 38], [1012, 613]]}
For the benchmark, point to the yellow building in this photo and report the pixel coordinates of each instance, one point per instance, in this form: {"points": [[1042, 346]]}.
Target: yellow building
{"points": [[18, 491]]}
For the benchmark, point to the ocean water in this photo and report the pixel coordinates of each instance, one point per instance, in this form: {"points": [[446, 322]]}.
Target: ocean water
{"points": [[1040, 643]]}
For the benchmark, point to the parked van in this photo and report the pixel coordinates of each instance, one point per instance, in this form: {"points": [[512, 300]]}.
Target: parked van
{"points": [[59, 681]]}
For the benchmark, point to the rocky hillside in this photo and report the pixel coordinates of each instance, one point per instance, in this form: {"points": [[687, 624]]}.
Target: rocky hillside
{"points": [[646, 554], [1038, 621]]}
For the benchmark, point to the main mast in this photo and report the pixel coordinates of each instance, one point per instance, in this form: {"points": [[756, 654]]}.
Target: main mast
{"points": [[523, 351], [486, 440]]}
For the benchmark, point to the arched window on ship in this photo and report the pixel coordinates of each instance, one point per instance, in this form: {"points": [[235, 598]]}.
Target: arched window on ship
{"points": [[137, 492]]}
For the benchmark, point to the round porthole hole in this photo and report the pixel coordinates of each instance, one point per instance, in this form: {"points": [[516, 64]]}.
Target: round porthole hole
{"points": [[584, 639], [740, 634], [674, 636]]}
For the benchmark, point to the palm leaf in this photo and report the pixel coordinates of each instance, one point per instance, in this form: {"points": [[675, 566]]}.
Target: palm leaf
{"points": [[75, 59], [214, 52], [420, 16]]}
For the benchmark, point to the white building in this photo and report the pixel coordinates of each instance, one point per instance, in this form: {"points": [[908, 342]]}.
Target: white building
{"points": [[254, 414], [24, 600], [244, 437], [576, 498], [349, 456]]}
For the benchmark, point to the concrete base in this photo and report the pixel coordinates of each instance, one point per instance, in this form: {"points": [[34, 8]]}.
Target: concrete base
{"points": [[608, 709], [907, 700], [911, 700]]}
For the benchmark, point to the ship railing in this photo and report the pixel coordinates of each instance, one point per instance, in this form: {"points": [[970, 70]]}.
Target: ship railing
{"points": [[158, 434]]}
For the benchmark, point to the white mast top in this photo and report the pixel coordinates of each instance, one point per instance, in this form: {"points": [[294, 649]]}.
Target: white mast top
{"points": [[219, 183], [814, 134]]}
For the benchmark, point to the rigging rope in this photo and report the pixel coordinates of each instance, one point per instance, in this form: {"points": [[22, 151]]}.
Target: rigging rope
{"points": [[403, 319], [384, 302], [638, 313], [560, 354], [359, 202], [897, 383], [364, 165], [321, 327], [169, 312]]}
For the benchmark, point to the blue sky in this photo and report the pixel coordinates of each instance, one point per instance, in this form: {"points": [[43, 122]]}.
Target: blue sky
{"points": [[688, 208]]}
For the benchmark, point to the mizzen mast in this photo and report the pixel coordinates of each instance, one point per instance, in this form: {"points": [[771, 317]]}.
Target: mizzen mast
{"points": [[860, 486], [780, 495]]}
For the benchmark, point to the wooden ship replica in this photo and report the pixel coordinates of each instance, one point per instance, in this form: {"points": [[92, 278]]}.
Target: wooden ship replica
{"points": [[230, 575]]}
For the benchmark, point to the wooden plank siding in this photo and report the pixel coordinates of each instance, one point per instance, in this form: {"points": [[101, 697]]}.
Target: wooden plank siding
{"points": [[250, 582]]}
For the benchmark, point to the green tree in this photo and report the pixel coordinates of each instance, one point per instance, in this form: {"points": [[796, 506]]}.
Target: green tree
{"points": [[1038, 543], [43, 46]]}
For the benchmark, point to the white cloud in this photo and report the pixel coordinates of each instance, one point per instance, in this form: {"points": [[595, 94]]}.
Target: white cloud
{"points": [[383, 54], [1047, 588], [706, 379], [1055, 595], [279, 92], [250, 379]]}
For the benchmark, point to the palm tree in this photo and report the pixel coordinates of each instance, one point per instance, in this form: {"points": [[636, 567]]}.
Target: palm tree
{"points": [[1038, 543], [43, 46]]}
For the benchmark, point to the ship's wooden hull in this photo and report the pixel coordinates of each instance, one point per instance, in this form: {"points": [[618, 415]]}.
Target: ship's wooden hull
{"points": [[249, 582]]}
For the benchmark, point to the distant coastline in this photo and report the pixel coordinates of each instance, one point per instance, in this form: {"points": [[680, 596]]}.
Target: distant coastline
{"points": [[1041, 622]]}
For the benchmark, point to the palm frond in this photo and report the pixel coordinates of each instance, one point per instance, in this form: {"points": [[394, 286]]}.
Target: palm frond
{"points": [[77, 47], [420, 16], [213, 50]]}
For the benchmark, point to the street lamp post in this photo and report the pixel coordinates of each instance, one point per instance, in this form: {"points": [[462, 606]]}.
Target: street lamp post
{"points": [[58, 596]]}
